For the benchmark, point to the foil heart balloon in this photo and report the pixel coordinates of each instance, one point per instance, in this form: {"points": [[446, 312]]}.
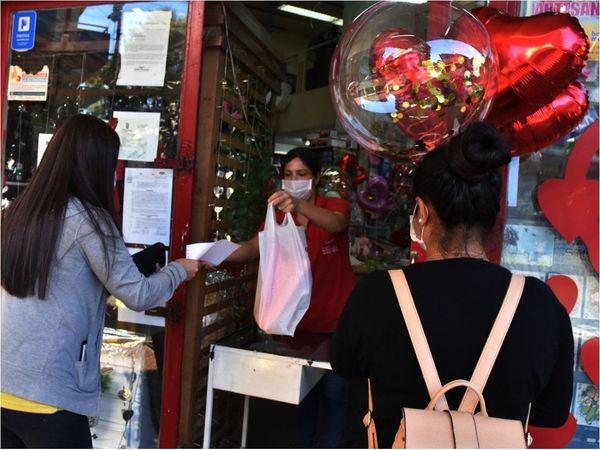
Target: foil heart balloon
{"points": [[376, 196], [539, 58], [397, 56], [547, 124], [350, 164], [571, 204]]}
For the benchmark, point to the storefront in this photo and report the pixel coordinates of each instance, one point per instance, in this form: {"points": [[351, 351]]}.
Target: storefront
{"points": [[200, 90]]}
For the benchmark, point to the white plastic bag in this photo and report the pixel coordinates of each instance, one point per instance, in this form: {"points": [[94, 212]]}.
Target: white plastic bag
{"points": [[284, 277]]}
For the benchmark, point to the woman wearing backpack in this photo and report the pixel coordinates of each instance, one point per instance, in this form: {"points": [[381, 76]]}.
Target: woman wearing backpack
{"points": [[457, 294], [62, 254]]}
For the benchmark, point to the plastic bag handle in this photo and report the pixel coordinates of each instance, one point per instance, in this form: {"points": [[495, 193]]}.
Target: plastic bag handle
{"points": [[271, 223], [454, 384]]}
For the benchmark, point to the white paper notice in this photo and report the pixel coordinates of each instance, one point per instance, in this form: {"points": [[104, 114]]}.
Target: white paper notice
{"points": [[147, 197], [138, 132], [143, 48], [43, 139], [23, 86], [213, 252]]}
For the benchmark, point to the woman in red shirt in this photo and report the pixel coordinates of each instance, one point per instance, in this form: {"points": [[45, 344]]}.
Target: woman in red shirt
{"points": [[325, 220]]}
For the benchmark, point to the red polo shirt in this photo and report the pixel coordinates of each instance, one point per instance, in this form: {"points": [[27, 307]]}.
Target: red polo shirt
{"points": [[332, 275]]}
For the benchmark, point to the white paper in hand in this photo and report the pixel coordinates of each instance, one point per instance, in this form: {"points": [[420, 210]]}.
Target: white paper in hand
{"points": [[212, 252]]}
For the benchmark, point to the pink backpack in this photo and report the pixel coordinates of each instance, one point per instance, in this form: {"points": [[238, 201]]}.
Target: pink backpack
{"points": [[437, 426]]}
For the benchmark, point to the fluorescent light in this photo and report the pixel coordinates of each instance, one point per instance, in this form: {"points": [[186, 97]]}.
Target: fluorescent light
{"points": [[312, 14]]}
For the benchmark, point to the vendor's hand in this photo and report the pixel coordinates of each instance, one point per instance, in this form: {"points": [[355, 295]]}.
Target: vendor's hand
{"points": [[191, 267], [284, 201]]}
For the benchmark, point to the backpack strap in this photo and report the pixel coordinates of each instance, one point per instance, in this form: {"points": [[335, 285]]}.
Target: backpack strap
{"points": [[417, 337], [369, 423], [494, 342]]}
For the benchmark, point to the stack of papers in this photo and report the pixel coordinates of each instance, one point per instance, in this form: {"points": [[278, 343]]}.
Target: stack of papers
{"points": [[212, 252]]}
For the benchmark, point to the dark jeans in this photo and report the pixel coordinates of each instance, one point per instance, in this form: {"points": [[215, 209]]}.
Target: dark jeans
{"points": [[330, 393], [62, 429]]}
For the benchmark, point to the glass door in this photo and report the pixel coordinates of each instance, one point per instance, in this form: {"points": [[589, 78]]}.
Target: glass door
{"points": [[132, 65]]}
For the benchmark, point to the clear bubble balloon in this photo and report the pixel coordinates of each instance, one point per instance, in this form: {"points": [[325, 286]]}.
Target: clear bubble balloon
{"points": [[406, 76]]}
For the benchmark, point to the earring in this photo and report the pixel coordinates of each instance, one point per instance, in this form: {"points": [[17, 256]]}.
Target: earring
{"points": [[420, 220]]}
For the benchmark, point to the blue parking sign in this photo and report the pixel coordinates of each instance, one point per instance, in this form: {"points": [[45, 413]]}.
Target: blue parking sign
{"points": [[23, 31]]}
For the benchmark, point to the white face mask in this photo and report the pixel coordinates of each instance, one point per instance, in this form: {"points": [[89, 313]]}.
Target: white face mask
{"points": [[413, 233], [301, 189]]}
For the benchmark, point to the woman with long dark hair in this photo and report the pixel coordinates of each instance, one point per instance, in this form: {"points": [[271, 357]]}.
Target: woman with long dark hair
{"points": [[62, 254]]}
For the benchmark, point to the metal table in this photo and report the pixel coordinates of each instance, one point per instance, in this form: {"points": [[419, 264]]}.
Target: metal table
{"points": [[277, 368]]}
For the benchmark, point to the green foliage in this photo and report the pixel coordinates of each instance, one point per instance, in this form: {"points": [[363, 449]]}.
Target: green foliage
{"points": [[251, 202]]}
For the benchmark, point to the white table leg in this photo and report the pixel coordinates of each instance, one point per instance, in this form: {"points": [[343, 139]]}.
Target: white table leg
{"points": [[209, 406], [245, 420]]}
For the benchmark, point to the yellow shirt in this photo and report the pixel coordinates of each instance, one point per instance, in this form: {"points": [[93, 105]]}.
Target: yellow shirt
{"points": [[9, 401]]}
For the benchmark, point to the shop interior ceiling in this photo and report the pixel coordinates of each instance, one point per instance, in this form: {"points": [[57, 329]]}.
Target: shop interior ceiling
{"points": [[306, 45]]}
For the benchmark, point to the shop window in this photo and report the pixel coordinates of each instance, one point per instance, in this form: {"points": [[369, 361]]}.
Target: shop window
{"points": [[533, 247], [78, 48]]}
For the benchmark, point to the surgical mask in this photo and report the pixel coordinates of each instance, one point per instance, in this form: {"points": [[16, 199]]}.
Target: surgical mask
{"points": [[413, 233], [301, 189]]}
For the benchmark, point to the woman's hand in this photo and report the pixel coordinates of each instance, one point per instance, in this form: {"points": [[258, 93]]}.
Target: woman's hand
{"points": [[284, 201], [206, 264], [191, 267]]}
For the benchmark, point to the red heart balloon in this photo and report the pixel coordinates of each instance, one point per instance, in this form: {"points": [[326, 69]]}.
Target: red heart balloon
{"points": [[565, 290], [538, 57], [397, 54], [571, 204], [553, 437], [434, 85], [547, 124], [589, 359], [350, 164]]}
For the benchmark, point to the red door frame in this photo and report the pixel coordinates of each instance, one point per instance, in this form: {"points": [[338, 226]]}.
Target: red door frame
{"points": [[183, 189], [182, 216]]}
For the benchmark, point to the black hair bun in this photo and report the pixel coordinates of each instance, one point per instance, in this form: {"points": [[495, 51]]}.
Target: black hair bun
{"points": [[484, 147], [477, 152]]}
